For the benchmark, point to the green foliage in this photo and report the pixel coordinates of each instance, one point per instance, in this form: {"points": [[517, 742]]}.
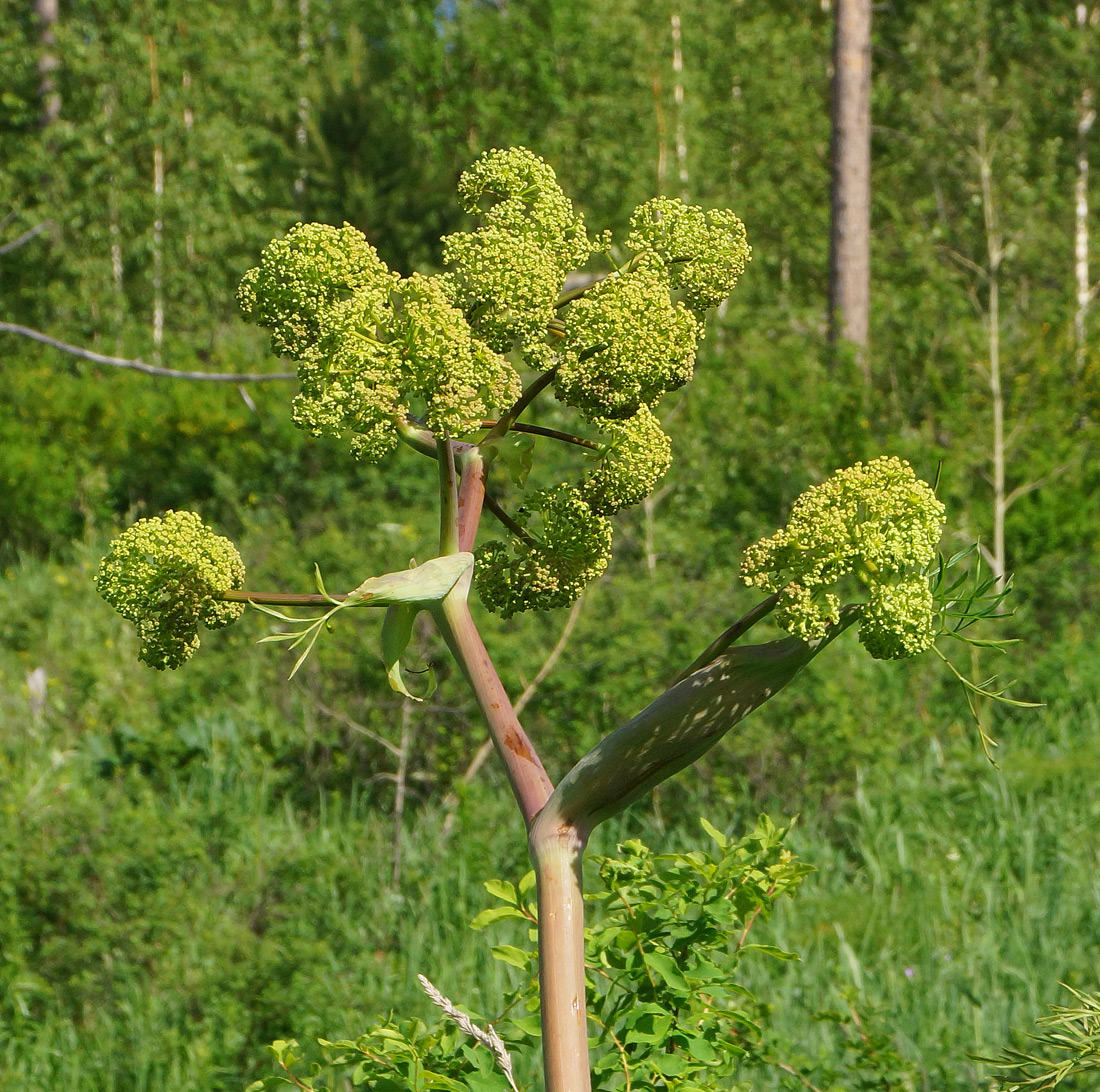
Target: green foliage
{"points": [[1062, 1052], [670, 933], [668, 1003], [167, 575], [399, 96], [272, 806]]}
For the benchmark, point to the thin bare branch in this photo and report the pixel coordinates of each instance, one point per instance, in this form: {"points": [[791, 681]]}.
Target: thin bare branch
{"points": [[519, 531], [1038, 483], [964, 261], [552, 658], [551, 433], [26, 237], [138, 365], [355, 726]]}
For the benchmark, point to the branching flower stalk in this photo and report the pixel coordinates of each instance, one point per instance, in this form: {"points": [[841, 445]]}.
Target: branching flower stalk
{"points": [[435, 363]]}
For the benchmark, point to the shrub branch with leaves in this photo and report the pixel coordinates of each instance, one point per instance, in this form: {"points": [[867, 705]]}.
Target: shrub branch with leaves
{"points": [[448, 365]]}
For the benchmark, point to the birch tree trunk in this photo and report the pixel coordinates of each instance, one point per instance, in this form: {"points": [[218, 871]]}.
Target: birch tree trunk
{"points": [[678, 96], [301, 133], [48, 62], [158, 204], [1086, 115], [850, 236], [994, 246]]}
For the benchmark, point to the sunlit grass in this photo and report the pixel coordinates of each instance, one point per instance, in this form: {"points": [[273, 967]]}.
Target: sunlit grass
{"points": [[160, 923]]}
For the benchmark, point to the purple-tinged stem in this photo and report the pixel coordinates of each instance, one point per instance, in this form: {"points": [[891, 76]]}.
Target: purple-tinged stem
{"points": [[529, 780], [471, 496]]}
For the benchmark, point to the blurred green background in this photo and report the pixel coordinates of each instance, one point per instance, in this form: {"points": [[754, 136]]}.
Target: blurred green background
{"points": [[196, 863]]}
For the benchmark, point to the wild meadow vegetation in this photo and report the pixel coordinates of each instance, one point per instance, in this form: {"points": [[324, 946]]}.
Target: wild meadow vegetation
{"points": [[196, 863]]}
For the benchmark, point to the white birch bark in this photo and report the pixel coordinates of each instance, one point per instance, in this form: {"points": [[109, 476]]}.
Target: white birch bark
{"points": [[48, 61], [192, 164], [114, 229], [1086, 115], [678, 96], [301, 134], [158, 207]]}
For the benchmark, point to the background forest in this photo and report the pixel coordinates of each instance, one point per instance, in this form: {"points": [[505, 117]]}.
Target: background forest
{"points": [[193, 864]]}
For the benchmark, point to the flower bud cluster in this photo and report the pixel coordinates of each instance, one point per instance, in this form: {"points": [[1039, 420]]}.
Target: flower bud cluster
{"points": [[704, 253], [626, 344], [368, 344], [507, 274], [637, 457], [877, 522], [166, 575], [551, 570], [372, 347]]}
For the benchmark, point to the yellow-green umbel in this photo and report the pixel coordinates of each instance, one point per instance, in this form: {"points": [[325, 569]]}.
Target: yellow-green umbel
{"points": [[573, 548], [166, 575], [637, 456], [370, 345], [704, 252], [876, 522], [507, 274], [626, 343]]}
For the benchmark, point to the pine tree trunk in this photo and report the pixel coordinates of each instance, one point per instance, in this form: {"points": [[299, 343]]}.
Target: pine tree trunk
{"points": [[850, 241]]}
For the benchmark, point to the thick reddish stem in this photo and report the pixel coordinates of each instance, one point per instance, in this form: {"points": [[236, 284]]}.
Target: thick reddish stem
{"points": [[471, 496], [530, 782]]}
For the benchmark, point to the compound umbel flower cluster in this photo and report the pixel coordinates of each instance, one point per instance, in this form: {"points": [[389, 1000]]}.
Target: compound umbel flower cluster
{"points": [[874, 524], [166, 574], [428, 359], [376, 350]]}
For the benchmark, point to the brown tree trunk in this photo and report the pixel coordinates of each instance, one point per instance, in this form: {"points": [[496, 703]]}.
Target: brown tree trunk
{"points": [[46, 10], [850, 240]]}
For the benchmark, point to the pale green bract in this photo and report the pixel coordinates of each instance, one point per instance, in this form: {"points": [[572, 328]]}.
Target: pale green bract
{"points": [[166, 574], [573, 548], [874, 521]]}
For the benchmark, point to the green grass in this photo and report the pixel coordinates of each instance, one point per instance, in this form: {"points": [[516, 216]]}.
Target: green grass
{"points": [[175, 892]]}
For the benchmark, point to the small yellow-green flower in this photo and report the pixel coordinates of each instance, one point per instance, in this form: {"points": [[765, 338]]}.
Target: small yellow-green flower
{"points": [[704, 252], [637, 457], [370, 346], [626, 344]]}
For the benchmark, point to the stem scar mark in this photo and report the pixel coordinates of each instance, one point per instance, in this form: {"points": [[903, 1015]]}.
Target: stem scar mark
{"points": [[518, 746]]}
